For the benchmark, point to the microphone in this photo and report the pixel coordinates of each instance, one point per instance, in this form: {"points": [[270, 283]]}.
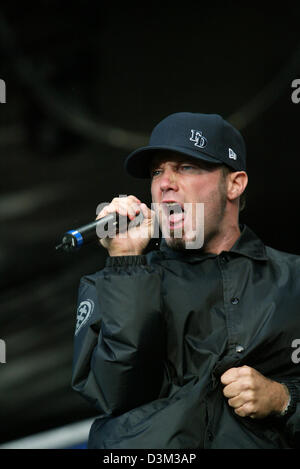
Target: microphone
{"points": [[109, 225]]}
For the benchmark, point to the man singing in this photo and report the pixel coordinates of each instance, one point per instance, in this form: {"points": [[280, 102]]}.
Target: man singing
{"points": [[190, 345]]}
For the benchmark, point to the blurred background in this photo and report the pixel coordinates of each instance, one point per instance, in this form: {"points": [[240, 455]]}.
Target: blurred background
{"points": [[85, 84]]}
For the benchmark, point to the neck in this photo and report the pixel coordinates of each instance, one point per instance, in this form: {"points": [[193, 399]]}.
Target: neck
{"points": [[223, 240]]}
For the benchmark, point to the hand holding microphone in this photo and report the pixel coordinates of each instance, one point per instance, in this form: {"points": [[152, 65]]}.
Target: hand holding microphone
{"points": [[136, 239], [124, 227]]}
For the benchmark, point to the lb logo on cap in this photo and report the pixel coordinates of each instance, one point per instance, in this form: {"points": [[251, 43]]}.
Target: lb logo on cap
{"points": [[84, 312], [197, 137]]}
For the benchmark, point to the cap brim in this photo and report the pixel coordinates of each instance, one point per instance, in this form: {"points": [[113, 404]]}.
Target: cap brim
{"points": [[137, 164]]}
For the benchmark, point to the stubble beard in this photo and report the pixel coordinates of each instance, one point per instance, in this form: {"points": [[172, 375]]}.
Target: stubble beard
{"points": [[180, 244]]}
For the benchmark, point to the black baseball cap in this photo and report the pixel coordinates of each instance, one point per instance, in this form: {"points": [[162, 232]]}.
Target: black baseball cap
{"points": [[207, 137]]}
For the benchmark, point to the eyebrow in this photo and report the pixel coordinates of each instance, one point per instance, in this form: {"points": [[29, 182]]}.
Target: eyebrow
{"points": [[200, 163]]}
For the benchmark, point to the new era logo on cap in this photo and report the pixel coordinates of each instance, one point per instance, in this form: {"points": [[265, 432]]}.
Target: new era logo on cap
{"points": [[232, 155]]}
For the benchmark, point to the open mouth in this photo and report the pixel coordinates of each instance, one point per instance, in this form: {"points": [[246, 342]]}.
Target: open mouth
{"points": [[174, 212]]}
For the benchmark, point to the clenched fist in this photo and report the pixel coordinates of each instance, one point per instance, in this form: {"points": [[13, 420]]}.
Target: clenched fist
{"points": [[252, 394], [137, 238]]}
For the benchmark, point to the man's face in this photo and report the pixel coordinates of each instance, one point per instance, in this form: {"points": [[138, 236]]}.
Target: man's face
{"points": [[179, 186]]}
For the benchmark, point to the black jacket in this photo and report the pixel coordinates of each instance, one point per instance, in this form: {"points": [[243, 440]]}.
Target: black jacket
{"points": [[155, 332]]}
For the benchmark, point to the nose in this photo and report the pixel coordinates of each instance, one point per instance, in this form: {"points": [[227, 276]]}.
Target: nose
{"points": [[168, 181]]}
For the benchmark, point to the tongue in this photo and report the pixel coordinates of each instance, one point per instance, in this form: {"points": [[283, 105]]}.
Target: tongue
{"points": [[175, 217]]}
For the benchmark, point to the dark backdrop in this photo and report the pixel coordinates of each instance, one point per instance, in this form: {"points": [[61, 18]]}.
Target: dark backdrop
{"points": [[85, 84]]}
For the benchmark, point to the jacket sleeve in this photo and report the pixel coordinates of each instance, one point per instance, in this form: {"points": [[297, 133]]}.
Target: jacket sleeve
{"points": [[293, 427], [119, 337], [291, 422]]}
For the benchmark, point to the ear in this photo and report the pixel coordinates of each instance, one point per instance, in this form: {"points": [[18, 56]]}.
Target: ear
{"points": [[237, 182]]}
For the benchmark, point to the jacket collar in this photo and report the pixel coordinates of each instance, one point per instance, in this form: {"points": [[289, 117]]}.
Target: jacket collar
{"points": [[248, 244]]}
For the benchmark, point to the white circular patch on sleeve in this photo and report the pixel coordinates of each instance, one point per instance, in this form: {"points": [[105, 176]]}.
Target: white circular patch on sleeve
{"points": [[84, 312]]}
